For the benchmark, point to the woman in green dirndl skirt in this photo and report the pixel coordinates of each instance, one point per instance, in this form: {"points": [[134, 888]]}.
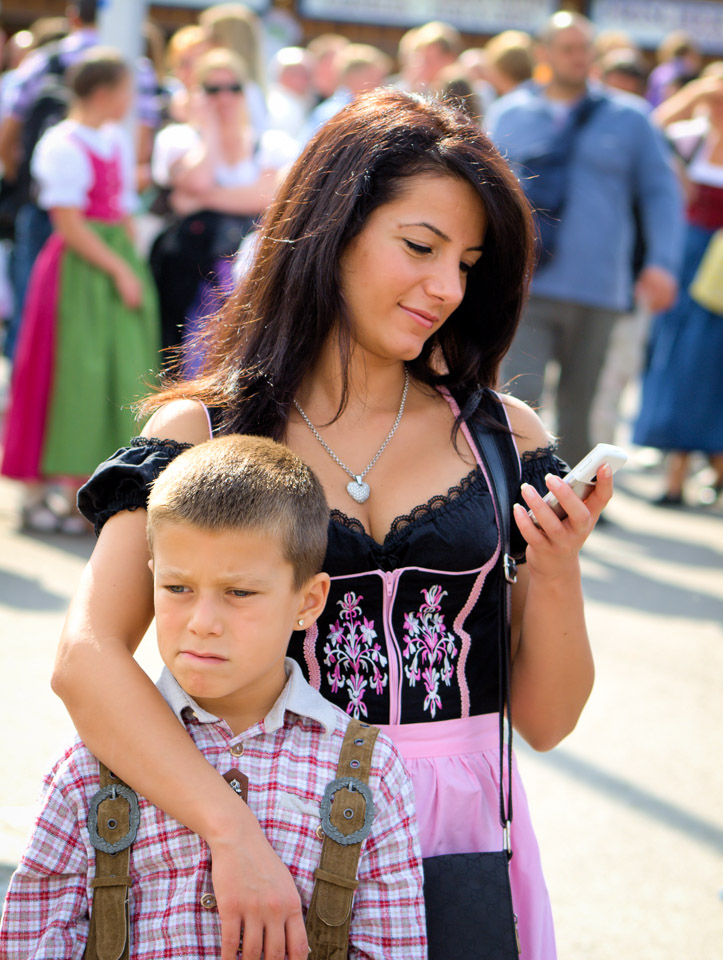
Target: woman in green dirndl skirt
{"points": [[89, 339]]}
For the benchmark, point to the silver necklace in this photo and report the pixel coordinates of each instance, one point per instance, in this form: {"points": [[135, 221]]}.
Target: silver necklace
{"points": [[357, 488]]}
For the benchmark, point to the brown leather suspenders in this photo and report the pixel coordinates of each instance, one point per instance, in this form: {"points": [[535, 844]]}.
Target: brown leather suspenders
{"points": [[113, 821], [346, 824]]}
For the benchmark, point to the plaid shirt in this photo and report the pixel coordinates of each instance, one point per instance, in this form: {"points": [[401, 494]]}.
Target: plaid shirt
{"points": [[289, 759]]}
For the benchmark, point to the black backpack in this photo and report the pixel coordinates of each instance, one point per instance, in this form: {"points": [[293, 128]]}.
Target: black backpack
{"points": [[49, 108]]}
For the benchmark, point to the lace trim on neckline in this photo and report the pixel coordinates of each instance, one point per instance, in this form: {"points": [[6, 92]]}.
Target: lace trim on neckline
{"points": [[172, 446], [539, 453], [421, 512]]}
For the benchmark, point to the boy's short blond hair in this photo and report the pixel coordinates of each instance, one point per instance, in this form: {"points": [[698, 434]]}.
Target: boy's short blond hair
{"points": [[246, 483]]}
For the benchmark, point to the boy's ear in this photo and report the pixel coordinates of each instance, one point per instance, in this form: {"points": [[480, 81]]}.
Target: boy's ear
{"points": [[314, 595], [150, 564]]}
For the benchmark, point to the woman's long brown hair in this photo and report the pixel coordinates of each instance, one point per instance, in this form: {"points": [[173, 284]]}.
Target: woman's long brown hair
{"points": [[272, 329]]}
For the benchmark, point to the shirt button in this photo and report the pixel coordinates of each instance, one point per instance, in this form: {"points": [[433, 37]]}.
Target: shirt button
{"points": [[237, 750], [208, 901]]}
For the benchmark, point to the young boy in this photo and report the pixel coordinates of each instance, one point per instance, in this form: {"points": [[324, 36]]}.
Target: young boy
{"points": [[237, 530]]}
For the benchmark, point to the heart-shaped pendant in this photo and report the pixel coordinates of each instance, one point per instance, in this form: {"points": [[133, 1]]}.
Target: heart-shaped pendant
{"points": [[358, 490]]}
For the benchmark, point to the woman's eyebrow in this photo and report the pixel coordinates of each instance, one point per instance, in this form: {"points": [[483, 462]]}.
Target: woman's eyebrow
{"points": [[436, 231]]}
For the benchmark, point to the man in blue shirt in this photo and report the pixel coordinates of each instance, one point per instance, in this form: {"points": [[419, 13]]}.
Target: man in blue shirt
{"points": [[616, 157]]}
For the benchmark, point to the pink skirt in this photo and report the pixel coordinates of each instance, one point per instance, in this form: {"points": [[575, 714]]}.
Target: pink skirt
{"points": [[454, 766], [32, 377]]}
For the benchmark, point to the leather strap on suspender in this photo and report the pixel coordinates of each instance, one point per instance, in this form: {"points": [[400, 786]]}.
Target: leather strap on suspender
{"points": [[346, 823], [113, 820]]}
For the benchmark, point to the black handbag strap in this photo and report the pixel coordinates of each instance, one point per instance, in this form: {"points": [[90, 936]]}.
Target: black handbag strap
{"points": [[490, 447]]}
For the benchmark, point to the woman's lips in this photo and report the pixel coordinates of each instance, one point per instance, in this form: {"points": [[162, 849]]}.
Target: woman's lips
{"points": [[426, 320]]}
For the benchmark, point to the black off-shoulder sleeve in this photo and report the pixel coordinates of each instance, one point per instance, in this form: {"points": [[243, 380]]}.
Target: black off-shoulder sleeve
{"points": [[536, 464], [123, 481]]}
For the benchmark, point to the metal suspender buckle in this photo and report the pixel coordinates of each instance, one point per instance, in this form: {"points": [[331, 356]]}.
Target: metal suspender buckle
{"points": [[509, 565], [356, 786], [112, 791]]}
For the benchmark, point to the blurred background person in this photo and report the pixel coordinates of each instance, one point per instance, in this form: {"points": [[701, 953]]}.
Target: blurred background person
{"points": [[691, 100], [324, 51], [40, 100], [623, 69], [361, 68], [290, 94], [601, 153], [682, 392], [604, 42], [473, 63], [428, 50], [90, 331], [182, 52], [510, 60], [679, 61], [221, 175], [405, 79], [235, 27], [455, 87]]}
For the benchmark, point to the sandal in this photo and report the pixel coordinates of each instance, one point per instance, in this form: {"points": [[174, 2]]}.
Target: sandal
{"points": [[38, 518]]}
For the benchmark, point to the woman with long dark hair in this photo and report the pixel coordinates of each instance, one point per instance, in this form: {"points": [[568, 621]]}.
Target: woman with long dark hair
{"points": [[386, 287]]}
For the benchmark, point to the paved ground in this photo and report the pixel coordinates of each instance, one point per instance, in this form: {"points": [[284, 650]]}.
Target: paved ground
{"points": [[628, 809]]}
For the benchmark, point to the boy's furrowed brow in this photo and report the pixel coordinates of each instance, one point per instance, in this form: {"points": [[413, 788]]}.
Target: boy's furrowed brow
{"points": [[436, 231], [234, 578]]}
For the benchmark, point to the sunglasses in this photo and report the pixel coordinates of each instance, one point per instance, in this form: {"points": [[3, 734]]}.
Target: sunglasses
{"points": [[214, 88]]}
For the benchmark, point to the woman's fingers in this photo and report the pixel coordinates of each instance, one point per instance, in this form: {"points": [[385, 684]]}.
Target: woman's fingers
{"points": [[297, 944], [548, 523], [577, 510], [230, 933], [550, 530], [258, 903], [603, 491], [252, 941]]}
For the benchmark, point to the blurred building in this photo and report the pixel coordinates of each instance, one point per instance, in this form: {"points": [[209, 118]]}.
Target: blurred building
{"points": [[383, 22], [379, 22]]}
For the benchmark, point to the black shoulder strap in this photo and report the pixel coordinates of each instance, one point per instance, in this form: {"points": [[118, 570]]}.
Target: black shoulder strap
{"points": [[491, 446], [55, 65], [586, 108]]}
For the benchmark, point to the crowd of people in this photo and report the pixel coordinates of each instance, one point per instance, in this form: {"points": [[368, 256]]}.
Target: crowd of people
{"points": [[340, 268], [221, 113]]}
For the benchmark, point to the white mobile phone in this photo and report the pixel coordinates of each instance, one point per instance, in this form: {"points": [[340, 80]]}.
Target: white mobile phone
{"points": [[582, 476]]}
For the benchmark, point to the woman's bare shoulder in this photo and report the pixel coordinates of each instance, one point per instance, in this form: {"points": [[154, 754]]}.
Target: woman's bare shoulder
{"points": [[185, 421], [529, 431]]}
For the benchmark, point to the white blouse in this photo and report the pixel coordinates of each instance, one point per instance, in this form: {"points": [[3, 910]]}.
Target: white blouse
{"points": [[689, 137], [64, 173], [275, 150]]}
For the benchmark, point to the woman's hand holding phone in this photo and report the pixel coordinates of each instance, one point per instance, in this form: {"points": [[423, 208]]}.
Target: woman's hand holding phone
{"points": [[554, 542]]}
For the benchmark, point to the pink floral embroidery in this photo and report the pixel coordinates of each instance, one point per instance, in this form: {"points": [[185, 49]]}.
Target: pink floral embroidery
{"points": [[356, 662], [430, 647]]}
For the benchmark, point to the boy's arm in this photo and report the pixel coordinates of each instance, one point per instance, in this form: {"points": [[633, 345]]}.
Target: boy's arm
{"points": [[388, 921], [46, 907]]}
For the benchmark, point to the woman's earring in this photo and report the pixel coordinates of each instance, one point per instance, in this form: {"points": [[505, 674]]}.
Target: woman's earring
{"points": [[300, 622]]}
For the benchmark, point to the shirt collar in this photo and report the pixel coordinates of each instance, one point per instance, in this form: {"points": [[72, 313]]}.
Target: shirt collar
{"points": [[296, 697]]}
